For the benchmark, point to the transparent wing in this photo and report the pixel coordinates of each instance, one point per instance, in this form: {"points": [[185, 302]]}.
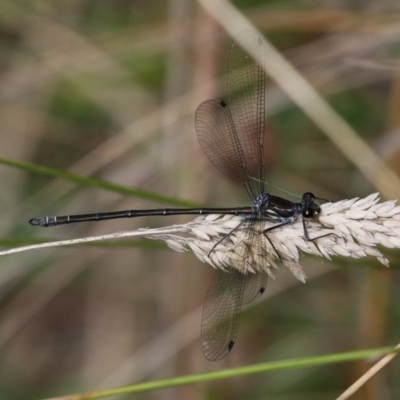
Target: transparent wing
{"points": [[218, 139], [255, 286], [228, 291], [246, 89], [256, 282], [221, 313]]}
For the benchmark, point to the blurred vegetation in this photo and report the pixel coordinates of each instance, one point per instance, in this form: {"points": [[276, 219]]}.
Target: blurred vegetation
{"points": [[108, 90]]}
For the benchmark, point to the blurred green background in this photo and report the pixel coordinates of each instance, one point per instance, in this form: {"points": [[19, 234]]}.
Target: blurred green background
{"points": [[108, 89]]}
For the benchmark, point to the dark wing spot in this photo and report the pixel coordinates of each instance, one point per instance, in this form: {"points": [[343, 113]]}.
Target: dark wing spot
{"points": [[230, 345], [262, 290], [223, 104]]}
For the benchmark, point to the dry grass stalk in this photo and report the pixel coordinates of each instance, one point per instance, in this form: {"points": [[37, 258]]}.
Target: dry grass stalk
{"points": [[355, 227]]}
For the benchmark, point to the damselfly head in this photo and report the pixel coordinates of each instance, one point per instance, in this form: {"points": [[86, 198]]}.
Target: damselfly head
{"points": [[310, 207]]}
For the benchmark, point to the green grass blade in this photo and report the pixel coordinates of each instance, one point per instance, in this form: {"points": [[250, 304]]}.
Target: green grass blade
{"points": [[112, 187], [234, 372]]}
